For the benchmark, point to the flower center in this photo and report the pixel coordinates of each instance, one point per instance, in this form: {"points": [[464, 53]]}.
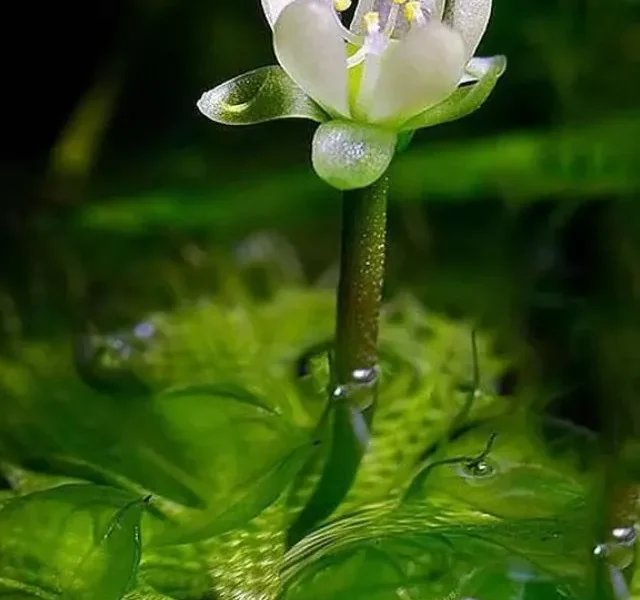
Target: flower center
{"points": [[380, 27]]}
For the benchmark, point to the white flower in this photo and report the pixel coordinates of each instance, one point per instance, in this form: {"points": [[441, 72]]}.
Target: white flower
{"points": [[402, 65], [396, 61]]}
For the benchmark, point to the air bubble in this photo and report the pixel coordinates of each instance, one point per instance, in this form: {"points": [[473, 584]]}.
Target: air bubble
{"points": [[365, 376], [619, 549], [477, 469], [107, 362], [360, 390]]}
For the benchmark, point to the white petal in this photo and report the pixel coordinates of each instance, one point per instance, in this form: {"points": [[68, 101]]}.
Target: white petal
{"points": [[273, 8], [476, 69], [417, 72], [309, 46], [470, 19]]}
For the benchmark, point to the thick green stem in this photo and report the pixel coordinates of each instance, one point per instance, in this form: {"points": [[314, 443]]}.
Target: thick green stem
{"points": [[364, 227], [364, 223]]}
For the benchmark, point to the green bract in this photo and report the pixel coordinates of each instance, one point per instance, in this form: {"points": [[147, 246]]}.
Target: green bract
{"points": [[401, 66]]}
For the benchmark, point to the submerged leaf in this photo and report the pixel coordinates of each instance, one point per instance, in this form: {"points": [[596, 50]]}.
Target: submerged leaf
{"points": [[227, 442], [424, 552], [515, 480], [72, 542], [485, 521], [217, 392], [244, 503], [109, 568], [341, 433], [262, 95]]}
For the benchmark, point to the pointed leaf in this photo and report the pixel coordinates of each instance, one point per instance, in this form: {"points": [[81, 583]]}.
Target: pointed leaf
{"points": [[225, 436], [342, 434], [217, 392], [262, 95], [109, 568], [75, 541], [247, 502], [464, 100], [349, 155]]}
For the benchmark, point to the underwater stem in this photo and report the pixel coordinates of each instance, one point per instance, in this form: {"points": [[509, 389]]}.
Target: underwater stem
{"points": [[364, 227]]}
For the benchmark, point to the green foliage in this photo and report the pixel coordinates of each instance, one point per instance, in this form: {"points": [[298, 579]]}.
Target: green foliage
{"points": [[72, 542], [225, 439]]}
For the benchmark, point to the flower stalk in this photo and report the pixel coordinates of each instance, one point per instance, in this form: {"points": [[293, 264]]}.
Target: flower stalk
{"points": [[362, 261]]}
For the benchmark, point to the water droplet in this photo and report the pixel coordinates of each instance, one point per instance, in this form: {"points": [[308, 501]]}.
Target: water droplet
{"points": [[360, 390], [619, 550], [601, 551], [624, 535], [365, 376], [482, 469], [340, 392], [105, 362]]}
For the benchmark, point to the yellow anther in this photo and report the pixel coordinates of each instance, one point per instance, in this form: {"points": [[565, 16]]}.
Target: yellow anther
{"points": [[342, 5], [413, 11], [399, 1], [372, 21]]}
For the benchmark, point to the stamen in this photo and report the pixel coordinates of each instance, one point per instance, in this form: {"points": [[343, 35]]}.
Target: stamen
{"points": [[374, 41], [372, 21], [342, 5], [393, 17], [413, 13]]}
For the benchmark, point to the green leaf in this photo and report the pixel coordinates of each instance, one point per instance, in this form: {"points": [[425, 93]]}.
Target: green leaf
{"points": [[349, 155], [341, 433], [463, 101], [109, 568], [224, 444], [262, 95], [72, 542], [426, 555], [217, 392], [516, 527], [517, 479], [247, 501]]}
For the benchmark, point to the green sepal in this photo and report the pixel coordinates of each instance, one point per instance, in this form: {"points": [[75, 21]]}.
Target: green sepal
{"points": [[349, 155], [265, 94], [464, 100], [404, 140]]}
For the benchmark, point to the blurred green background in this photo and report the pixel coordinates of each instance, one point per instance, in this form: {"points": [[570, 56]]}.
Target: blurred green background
{"points": [[120, 198]]}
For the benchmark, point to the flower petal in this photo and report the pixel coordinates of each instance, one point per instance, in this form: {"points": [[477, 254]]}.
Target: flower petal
{"points": [[419, 71], [349, 155], [477, 68], [309, 45], [273, 8], [261, 95], [470, 19], [464, 100]]}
